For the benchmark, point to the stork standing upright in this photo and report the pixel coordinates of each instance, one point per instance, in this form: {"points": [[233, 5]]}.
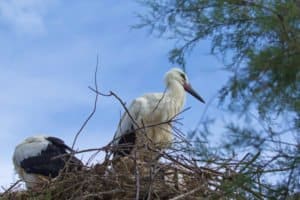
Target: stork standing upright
{"points": [[153, 110], [39, 158]]}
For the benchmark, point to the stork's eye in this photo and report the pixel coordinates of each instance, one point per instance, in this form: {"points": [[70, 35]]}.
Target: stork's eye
{"points": [[183, 76]]}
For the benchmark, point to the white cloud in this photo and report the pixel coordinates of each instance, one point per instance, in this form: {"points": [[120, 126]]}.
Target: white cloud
{"points": [[25, 16]]}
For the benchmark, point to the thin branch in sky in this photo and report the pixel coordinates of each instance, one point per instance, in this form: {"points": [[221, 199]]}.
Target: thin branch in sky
{"points": [[94, 108]]}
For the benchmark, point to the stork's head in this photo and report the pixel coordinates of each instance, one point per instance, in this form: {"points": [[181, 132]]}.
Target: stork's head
{"points": [[176, 74]]}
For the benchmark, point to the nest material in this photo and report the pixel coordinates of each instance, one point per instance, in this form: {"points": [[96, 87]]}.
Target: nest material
{"points": [[126, 178]]}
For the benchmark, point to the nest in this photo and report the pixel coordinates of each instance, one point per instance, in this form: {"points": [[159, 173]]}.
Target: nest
{"points": [[173, 177]]}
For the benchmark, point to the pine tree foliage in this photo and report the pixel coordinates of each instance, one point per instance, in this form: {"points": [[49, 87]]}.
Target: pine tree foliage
{"points": [[259, 42]]}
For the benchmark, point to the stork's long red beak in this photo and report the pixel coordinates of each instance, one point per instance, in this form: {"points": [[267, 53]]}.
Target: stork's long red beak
{"points": [[190, 90]]}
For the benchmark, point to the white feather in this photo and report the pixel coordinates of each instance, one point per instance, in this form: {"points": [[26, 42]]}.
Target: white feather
{"points": [[155, 108], [30, 147]]}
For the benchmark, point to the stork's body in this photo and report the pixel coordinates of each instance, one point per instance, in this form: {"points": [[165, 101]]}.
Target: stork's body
{"points": [[151, 113], [39, 158]]}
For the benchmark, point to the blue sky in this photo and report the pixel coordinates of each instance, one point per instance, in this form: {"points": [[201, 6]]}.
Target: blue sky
{"points": [[47, 59]]}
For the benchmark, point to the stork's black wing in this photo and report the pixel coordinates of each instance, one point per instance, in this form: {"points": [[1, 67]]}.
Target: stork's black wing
{"points": [[125, 144], [51, 160], [59, 143]]}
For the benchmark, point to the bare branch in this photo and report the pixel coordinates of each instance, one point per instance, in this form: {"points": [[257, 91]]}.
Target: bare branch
{"points": [[185, 195], [111, 93], [94, 108], [10, 188]]}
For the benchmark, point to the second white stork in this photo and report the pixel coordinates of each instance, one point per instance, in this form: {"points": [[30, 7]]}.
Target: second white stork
{"points": [[148, 113], [39, 158]]}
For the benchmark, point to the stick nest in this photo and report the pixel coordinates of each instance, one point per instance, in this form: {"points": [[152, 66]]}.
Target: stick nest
{"points": [[173, 177]]}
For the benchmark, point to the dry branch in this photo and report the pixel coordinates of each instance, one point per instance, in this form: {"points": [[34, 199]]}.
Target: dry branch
{"points": [[94, 108]]}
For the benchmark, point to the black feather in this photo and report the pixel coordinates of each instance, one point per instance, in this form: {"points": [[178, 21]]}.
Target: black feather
{"points": [[126, 144], [59, 143], [51, 160]]}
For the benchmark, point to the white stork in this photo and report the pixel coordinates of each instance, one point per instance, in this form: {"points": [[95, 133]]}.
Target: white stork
{"points": [[151, 109], [39, 158]]}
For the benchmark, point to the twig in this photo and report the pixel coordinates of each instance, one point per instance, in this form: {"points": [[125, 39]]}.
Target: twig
{"points": [[124, 106], [256, 194], [250, 162], [164, 122], [111, 93], [184, 195], [88, 196], [94, 108], [160, 100], [241, 161], [10, 188], [137, 178], [208, 104]]}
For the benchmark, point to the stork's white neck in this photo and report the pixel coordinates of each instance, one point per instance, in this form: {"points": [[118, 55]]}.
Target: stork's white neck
{"points": [[176, 91]]}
